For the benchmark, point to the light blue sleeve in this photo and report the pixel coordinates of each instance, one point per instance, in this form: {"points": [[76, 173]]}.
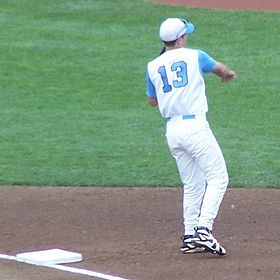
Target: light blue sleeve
{"points": [[206, 62], [150, 89]]}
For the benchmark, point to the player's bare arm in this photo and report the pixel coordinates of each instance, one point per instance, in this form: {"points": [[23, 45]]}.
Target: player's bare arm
{"points": [[224, 72]]}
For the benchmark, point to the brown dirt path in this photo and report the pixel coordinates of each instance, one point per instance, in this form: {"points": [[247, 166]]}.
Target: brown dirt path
{"points": [[258, 5], [134, 233]]}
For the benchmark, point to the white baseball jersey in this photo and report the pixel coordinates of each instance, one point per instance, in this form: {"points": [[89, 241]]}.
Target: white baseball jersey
{"points": [[175, 78]]}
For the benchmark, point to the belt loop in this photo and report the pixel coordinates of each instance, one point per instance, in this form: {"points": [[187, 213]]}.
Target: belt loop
{"points": [[183, 117], [188, 117]]}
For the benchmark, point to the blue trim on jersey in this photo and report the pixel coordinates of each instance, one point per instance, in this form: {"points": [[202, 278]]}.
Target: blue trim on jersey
{"points": [[150, 90], [206, 62]]}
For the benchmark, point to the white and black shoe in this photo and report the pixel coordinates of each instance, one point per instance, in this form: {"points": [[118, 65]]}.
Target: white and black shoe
{"points": [[203, 238], [187, 246]]}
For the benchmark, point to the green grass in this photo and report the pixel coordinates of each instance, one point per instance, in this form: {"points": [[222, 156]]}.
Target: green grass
{"points": [[73, 106]]}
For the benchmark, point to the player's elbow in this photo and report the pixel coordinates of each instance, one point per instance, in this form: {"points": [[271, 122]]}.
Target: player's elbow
{"points": [[219, 69], [152, 101]]}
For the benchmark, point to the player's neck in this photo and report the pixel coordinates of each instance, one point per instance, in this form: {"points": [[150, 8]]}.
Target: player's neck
{"points": [[173, 48], [180, 43]]}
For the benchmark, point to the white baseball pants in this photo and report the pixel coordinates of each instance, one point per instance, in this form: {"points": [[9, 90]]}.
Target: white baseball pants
{"points": [[201, 167]]}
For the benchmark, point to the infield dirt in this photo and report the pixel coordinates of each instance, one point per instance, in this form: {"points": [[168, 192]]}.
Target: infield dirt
{"points": [[135, 233]]}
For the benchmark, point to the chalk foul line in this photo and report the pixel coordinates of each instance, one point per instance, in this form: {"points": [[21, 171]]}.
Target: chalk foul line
{"points": [[72, 269], [86, 272]]}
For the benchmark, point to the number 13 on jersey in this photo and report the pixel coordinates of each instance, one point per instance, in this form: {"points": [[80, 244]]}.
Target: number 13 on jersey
{"points": [[180, 67]]}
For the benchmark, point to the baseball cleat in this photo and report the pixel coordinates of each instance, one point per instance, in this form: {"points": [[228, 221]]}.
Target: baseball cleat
{"points": [[203, 238], [188, 247]]}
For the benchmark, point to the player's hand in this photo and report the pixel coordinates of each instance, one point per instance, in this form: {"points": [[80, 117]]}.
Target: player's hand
{"points": [[230, 75], [224, 72]]}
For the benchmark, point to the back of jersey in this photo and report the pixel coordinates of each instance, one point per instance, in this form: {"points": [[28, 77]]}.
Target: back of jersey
{"points": [[178, 83]]}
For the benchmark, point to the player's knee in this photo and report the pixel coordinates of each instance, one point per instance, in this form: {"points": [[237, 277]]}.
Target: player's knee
{"points": [[220, 181]]}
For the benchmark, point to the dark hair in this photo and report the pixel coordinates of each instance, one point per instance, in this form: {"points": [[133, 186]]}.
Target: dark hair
{"points": [[162, 50], [171, 43]]}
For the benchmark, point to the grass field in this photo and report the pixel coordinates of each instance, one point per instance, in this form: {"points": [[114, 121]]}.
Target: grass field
{"points": [[73, 106]]}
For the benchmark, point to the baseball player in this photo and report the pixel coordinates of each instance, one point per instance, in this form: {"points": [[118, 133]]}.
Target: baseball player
{"points": [[176, 85]]}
